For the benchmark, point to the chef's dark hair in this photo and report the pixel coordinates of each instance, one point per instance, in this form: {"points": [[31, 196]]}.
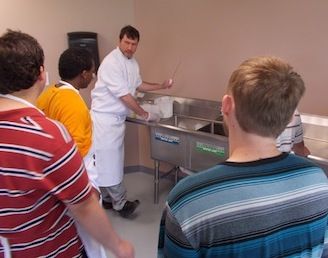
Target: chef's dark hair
{"points": [[130, 32], [21, 59], [73, 61]]}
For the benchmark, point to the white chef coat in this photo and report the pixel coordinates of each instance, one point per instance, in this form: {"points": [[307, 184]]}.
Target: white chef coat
{"points": [[117, 77]]}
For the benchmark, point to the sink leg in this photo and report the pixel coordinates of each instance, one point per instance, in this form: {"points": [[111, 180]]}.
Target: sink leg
{"points": [[156, 181]]}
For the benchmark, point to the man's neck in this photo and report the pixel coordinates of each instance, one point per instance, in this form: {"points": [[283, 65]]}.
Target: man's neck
{"points": [[73, 82], [246, 147], [29, 95]]}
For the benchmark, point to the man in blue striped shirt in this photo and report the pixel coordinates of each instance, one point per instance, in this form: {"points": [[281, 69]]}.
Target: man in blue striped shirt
{"points": [[260, 202]]}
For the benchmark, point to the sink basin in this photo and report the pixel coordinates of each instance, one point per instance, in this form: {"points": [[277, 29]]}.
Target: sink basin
{"points": [[192, 124], [218, 129]]}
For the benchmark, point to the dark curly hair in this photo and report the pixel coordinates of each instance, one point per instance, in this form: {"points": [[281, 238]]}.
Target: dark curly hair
{"points": [[74, 61], [21, 57]]}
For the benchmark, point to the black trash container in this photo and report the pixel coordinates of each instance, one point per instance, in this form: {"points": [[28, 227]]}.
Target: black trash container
{"points": [[86, 40]]}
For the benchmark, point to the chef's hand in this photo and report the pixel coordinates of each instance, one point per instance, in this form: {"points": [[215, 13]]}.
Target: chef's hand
{"points": [[167, 84], [150, 117], [153, 117]]}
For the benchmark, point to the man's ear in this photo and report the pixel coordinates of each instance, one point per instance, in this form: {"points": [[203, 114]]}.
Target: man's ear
{"points": [[84, 74], [227, 105], [43, 75]]}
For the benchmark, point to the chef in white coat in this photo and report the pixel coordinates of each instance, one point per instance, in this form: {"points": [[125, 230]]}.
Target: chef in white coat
{"points": [[112, 100]]}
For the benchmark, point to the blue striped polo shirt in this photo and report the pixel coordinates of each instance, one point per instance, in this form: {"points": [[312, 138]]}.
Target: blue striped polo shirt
{"points": [[275, 207]]}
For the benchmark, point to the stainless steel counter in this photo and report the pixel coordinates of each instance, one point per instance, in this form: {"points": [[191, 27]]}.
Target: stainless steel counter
{"points": [[316, 138], [193, 138]]}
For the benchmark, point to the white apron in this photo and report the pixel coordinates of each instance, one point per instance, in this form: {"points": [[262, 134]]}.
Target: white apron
{"points": [[90, 166], [108, 146]]}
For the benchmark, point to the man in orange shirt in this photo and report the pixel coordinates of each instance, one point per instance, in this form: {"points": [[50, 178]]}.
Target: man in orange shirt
{"points": [[63, 103]]}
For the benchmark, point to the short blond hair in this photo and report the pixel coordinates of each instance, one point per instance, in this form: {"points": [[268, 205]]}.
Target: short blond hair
{"points": [[266, 91]]}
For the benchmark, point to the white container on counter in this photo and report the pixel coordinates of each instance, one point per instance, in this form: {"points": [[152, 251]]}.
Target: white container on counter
{"points": [[165, 105], [153, 108]]}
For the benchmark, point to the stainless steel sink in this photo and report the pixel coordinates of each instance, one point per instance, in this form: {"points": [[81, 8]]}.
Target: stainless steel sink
{"points": [[193, 138], [185, 122], [214, 128], [193, 143], [195, 124]]}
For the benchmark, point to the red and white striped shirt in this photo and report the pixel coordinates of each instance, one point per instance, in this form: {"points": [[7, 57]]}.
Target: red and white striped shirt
{"points": [[40, 171]]}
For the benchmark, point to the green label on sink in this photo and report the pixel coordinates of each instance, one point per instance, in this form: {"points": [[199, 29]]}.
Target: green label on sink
{"points": [[208, 148]]}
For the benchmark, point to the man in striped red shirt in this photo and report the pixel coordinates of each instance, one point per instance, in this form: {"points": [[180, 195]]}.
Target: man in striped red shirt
{"points": [[42, 175]]}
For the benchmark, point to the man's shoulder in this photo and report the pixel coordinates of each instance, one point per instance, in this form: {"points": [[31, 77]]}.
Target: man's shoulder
{"points": [[67, 93], [31, 127], [197, 182], [230, 173], [52, 131], [113, 60], [58, 101], [300, 161], [113, 56], [48, 90], [46, 95]]}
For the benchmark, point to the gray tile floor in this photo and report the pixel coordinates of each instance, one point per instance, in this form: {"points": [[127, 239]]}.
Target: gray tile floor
{"points": [[142, 229]]}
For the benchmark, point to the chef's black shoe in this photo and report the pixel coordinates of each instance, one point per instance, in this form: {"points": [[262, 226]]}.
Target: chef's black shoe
{"points": [[107, 205], [128, 208]]}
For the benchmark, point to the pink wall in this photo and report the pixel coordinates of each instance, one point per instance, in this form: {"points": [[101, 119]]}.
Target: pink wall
{"points": [[49, 22], [211, 37]]}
